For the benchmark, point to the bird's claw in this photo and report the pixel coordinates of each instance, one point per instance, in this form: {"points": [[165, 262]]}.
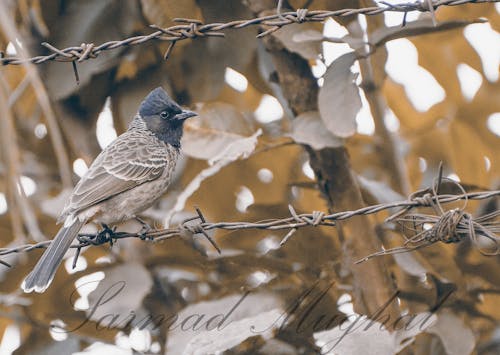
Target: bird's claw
{"points": [[106, 234], [144, 229]]}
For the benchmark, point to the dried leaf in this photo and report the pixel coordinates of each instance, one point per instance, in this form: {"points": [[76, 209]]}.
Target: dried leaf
{"points": [[241, 147], [338, 100], [235, 312], [124, 286], [457, 337], [103, 348], [217, 126], [308, 128], [308, 49], [379, 341], [362, 333], [307, 36], [410, 264], [237, 149], [261, 325], [68, 346]]}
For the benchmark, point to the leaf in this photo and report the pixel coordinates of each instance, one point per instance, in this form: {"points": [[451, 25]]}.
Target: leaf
{"points": [[379, 341], [338, 100], [457, 338], [309, 49], [217, 126], [241, 147], [307, 36], [238, 332], [68, 346], [233, 317], [103, 348], [354, 337], [123, 288], [308, 128], [409, 263]]}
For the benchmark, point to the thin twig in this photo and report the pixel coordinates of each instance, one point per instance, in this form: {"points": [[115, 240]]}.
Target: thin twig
{"points": [[11, 32], [389, 156], [12, 157]]}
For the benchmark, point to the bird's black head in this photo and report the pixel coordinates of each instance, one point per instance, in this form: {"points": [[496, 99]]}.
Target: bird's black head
{"points": [[163, 116]]}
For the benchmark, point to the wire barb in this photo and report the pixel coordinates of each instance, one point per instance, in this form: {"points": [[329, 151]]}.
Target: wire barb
{"points": [[75, 71]]}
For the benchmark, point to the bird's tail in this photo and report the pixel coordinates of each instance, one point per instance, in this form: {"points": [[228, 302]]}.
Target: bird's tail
{"points": [[42, 274]]}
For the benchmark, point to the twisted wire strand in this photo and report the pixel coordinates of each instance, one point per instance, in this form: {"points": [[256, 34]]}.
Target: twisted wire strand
{"points": [[192, 28], [484, 225]]}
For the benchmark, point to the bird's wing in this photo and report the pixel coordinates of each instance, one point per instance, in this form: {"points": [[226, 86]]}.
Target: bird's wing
{"points": [[129, 161]]}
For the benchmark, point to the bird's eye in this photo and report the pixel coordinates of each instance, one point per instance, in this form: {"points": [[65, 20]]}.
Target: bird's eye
{"points": [[164, 114]]}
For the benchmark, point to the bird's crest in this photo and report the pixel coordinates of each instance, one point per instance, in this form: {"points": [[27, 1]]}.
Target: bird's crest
{"points": [[155, 102]]}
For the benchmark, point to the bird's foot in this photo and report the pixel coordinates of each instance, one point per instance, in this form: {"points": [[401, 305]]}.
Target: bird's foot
{"points": [[144, 229], [106, 234], [103, 236]]}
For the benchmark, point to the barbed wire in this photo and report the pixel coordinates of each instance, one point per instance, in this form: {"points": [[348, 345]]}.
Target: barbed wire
{"points": [[192, 28], [451, 226], [459, 224]]}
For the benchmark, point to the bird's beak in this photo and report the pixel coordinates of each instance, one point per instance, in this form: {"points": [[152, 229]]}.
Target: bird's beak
{"points": [[185, 114]]}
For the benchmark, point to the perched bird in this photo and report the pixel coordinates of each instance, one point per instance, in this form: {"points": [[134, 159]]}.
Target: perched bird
{"points": [[127, 177]]}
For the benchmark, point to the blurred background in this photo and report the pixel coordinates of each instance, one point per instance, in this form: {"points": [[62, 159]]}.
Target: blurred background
{"points": [[292, 118]]}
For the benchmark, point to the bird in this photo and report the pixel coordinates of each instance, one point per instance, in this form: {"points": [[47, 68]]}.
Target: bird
{"points": [[126, 178]]}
